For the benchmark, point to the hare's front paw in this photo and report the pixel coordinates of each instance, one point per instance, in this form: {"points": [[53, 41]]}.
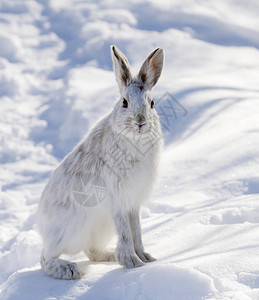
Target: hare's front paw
{"points": [[129, 261], [145, 257]]}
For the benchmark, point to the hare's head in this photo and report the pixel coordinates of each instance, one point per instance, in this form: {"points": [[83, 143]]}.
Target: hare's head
{"points": [[135, 109]]}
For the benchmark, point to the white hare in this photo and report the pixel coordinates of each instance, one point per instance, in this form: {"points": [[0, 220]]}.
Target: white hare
{"points": [[121, 155]]}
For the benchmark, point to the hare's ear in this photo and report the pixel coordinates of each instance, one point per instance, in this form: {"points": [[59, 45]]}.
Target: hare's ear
{"points": [[152, 67], [121, 68]]}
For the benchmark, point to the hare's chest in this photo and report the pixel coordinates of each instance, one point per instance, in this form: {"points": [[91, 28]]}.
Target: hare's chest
{"points": [[130, 177], [127, 166]]}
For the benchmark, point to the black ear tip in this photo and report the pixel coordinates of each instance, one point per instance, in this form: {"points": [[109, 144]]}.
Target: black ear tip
{"points": [[113, 48], [114, 51], [159, 50]]}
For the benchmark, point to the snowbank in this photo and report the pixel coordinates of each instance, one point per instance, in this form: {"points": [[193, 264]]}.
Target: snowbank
{"points": [[56, 80]]}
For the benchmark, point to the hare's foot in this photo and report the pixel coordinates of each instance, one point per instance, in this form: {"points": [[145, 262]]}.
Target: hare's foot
{"points": [[60, 269], [145, 257], [104, 255], [129, 261]]}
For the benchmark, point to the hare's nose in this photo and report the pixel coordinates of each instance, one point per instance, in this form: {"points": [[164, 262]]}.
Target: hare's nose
{"points": [[140, 119]]}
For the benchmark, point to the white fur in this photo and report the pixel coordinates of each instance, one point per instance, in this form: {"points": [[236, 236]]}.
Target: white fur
{"points": [[68, 227]]}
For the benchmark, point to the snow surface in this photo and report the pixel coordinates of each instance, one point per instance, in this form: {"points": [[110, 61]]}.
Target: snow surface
{"points": [[56, 80]]}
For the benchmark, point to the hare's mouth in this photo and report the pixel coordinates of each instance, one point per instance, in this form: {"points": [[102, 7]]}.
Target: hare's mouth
{"points": [[140, 127]]}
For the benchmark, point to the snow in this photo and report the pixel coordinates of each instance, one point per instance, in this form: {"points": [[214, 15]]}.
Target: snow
{"points": [[56, 80], [108, 283]]}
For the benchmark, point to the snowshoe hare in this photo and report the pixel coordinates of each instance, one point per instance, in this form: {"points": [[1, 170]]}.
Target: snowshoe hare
{"points": [[119, 157]]}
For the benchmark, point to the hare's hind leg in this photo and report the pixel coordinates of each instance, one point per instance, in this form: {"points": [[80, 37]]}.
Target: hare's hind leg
{"points": [[102, 231], [95, 254], [54, 244], [59, 268]]}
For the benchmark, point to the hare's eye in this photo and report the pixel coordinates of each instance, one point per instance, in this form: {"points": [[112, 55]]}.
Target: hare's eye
{"points": [[125, 103], [152, 104]]}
